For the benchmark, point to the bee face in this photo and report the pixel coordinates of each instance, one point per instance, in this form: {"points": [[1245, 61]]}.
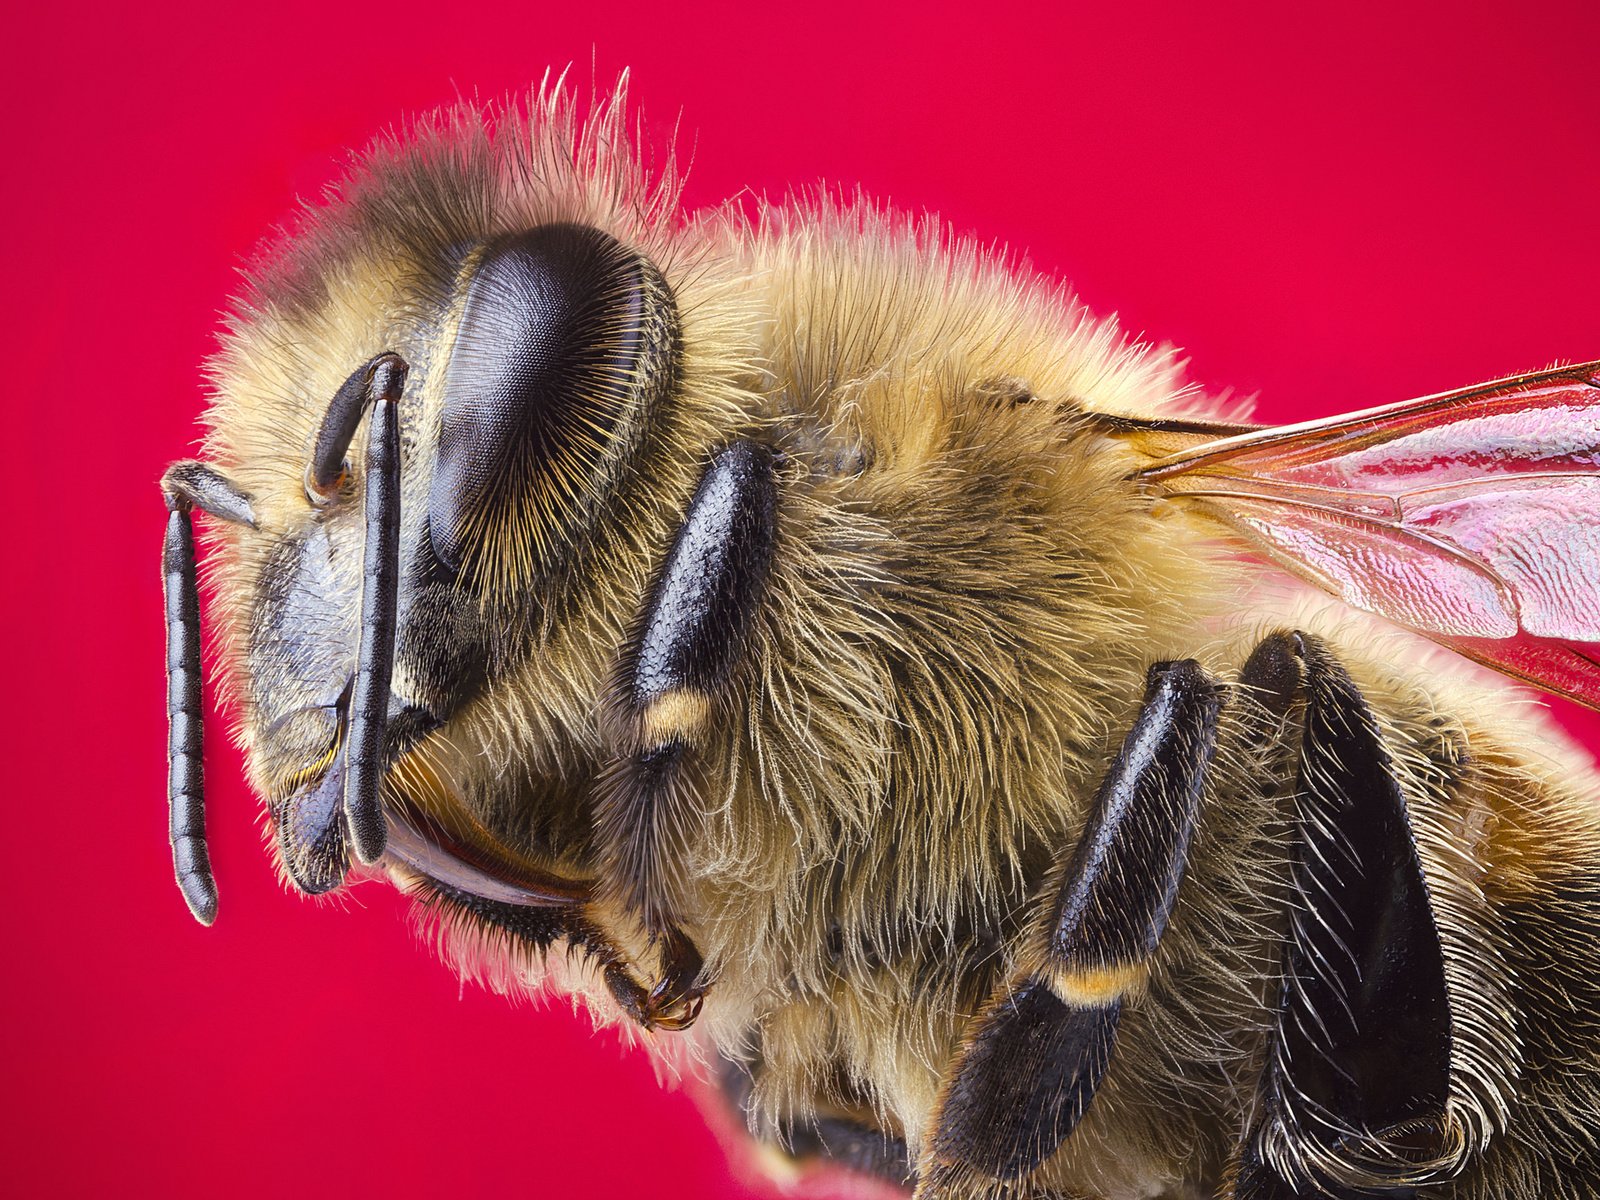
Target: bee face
{"points": [[544, 378], [546, 417]]}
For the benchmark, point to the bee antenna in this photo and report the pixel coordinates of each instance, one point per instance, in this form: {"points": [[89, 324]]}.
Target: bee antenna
{"points": [[327, 468], [186, 803], [369, 698]]}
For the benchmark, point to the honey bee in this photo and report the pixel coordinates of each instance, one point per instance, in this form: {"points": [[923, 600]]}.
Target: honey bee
{"points": [[827, 635]]}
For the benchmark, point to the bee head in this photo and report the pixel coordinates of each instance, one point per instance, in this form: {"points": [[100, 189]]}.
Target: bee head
{"points": [[416, 580], [459, 423]]}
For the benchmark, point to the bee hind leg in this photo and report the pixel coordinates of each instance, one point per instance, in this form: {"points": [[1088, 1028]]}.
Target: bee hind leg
{"points": [[1035, 1055], [1352, 1099]]}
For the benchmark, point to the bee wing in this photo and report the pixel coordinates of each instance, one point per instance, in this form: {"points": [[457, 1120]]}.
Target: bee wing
{"points": [[1471, 516]]}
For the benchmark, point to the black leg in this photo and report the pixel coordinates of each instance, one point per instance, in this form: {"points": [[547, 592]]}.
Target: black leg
{"points": [[844, 1136], [1037, 1053], [854, 1145], [536, 928], [1354, 1092], [699, 612]]}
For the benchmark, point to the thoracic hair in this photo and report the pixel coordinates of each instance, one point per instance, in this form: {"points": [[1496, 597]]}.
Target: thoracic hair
{"points": [[964, 596]]}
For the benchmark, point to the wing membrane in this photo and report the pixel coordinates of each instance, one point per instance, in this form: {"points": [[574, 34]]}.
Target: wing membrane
{"points": [[1471, 516], [1570, 669]]}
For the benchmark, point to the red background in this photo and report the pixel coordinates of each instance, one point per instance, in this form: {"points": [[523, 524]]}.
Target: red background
{"points": [[1332, 214]]}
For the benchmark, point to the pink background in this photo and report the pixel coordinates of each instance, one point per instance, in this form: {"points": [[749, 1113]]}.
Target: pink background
{"points": [[1332, 214]]}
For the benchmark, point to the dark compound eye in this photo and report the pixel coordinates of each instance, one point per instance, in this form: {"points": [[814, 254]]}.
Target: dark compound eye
{"points": [[565, 339]]}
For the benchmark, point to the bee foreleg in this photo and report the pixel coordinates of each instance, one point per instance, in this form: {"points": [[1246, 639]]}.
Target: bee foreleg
{"points": [[534, 929], [1353, 1097], [688, 643], [1036, 1054]]}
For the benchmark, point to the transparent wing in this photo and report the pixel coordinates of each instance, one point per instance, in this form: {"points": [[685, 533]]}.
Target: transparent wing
{"points": [[1472, 516]]}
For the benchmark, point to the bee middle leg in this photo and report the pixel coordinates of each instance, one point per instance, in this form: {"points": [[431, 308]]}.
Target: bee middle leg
{"points": [[845, 1136], [1036, 1053]]}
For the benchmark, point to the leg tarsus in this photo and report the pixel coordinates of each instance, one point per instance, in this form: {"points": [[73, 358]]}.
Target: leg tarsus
{"points": [[853, 1145], [1025, 1081], [842, 1134]]}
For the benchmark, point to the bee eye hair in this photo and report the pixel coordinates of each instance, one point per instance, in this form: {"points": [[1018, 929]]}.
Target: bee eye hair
{"points": [[554, 357]]}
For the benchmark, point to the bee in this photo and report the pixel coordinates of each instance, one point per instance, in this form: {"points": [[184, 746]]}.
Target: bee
{"points": [[797, 623]]}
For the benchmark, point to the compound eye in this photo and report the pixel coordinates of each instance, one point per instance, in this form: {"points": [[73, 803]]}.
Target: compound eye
{"points": [[564, 338]]}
